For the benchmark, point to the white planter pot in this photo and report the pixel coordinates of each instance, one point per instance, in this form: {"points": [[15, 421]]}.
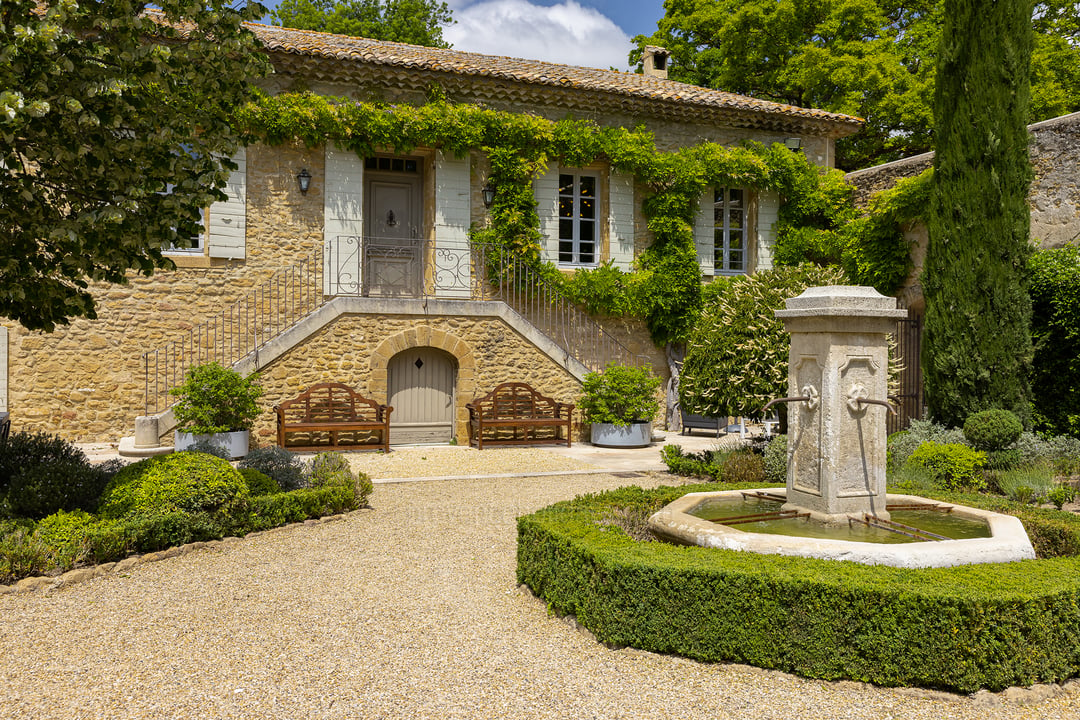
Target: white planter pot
{"points": [[236, 443], [634, 435]]}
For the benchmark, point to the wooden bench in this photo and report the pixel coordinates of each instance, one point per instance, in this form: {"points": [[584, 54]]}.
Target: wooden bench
{"points": [[517, 407], [333, 409]]}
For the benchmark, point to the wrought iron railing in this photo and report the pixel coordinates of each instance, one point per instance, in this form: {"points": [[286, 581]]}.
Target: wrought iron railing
{"points": [[281, 301], [352, 267]]}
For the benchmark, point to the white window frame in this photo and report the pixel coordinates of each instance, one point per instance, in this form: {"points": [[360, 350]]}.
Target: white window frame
{"points": [[724, 211], [570, 227]]}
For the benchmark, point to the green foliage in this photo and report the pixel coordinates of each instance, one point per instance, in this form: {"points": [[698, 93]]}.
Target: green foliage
{"points": [[743, 466], [284, 467], [417, 22], [942, 628], [259, 483], [736, 358], [22, 553], [330, 469], [910, 479], [1055, 333], [210, 446], [993, 429], [1061, 494], [1026, 484], [64, 534], [214, 399], [702, 465], [619, 395], [871, 58], [953, 467], [114, 135], [191, 483], [665, 288], [902, 444], [298, 505], [41, 474], [977, 343], [776, 459]]}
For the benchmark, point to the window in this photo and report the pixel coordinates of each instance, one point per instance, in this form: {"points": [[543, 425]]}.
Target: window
{"points": [[197, 244], [578, 232], [729, 231]]}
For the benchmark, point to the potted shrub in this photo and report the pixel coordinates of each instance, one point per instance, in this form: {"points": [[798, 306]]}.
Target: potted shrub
{"points": [[217, 405], [620, 404]]}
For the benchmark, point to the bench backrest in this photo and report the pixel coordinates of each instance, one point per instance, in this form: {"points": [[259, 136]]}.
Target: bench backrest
{"points": [[516, 400], [330, 402]]}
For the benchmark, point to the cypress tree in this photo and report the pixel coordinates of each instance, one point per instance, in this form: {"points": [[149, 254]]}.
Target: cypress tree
{"points": [[977, 343]]}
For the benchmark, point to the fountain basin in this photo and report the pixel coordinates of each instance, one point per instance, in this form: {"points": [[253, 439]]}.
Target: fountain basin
{"points": [[1007, 541]]}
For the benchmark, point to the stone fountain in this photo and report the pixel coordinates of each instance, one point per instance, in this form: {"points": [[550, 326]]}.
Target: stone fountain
{"points": [[837, 379]]}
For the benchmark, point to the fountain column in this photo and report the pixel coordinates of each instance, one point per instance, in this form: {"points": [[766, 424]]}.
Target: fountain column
{"points": [[836, 439]]}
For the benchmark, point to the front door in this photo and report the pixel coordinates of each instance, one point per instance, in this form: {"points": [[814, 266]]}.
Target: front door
{"points": [[393, 219], [420, 385]]}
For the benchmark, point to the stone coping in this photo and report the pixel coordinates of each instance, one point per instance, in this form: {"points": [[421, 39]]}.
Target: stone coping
{"points": [[1008, 542]]}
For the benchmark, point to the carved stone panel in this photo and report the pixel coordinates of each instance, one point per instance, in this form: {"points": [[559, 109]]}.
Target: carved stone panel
{"points": [[857, 438], [804, 423]]}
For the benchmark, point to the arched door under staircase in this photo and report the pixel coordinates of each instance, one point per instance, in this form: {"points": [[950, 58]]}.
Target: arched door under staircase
{"points": [[420, 385]]}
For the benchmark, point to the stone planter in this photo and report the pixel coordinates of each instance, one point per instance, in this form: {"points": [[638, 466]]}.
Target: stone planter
{"points": [[635, 435], [236, 443]]}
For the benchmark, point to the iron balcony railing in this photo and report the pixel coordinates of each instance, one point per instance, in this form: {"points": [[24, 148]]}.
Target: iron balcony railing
{"points": [[380, 267]]}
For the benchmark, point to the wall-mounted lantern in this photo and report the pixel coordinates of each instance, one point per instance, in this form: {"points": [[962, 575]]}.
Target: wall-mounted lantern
{"points": [[304, 181], [793, 144], [488, 193]]}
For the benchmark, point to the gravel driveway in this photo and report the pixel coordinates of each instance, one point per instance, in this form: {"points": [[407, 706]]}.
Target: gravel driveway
{"points": [[406, 610]]}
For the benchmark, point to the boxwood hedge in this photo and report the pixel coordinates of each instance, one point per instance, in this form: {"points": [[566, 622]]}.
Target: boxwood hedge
{"points": [[962, 628]]}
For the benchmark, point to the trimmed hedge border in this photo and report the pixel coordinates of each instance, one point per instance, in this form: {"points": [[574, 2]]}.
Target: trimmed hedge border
{"points": [[959, 629]]}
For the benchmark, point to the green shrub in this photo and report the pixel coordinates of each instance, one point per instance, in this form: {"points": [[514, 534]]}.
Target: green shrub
{"points": [[23, 450], [46, 488], [910, 479], [64, 533], [286, 469], [181, 482], [297, 505], [1061, 494], [330, 468], [259, 483], [701, 464], [954, 467], [902, 444], [743, 466], [776, 457], [992, 429], [1055, 332], [1008, 459], [963, 628], [215, 399], [619, 395], [22, 554], [1026, 484]]}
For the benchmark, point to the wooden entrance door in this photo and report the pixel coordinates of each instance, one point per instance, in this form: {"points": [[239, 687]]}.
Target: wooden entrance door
{"points": [[420, 384], [392, 228]]}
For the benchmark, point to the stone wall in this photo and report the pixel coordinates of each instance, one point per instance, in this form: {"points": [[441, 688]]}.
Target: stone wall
{"points": [[1054, 196], [355, 350], [86, 382]]}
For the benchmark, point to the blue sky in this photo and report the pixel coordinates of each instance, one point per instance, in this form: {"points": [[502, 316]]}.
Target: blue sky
{"points": [[594, 33]]}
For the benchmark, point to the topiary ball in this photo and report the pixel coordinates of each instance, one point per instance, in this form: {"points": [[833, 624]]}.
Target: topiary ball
{"points": [[992, 429], [186, 482]]}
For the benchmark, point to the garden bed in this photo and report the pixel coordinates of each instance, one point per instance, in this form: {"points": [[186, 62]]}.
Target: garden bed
{"points": [[961, 628]]}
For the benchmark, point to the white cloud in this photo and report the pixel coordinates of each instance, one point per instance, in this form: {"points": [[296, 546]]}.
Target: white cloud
{"points": [[565, 33]]}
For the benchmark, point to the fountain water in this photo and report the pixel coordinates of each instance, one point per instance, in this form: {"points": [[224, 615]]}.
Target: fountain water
{"points": [[837, 379]]}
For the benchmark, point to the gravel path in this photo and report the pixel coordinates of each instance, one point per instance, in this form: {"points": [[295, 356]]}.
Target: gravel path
{"points": [[407, 610]]}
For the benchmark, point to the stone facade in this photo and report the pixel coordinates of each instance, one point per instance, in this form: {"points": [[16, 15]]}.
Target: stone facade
{"points": [[1054, 196], [88, 381]]}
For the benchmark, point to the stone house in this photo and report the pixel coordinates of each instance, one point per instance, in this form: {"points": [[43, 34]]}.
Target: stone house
{"points": [[366, 275], [1054, 196]]}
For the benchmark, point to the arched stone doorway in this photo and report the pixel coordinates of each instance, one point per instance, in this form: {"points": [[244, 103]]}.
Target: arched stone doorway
{"points": [[420, 386]]}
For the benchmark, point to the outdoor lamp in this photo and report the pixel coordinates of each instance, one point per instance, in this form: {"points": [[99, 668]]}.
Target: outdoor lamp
{"points": [[304, 180], [488, 193], [793, 144]]}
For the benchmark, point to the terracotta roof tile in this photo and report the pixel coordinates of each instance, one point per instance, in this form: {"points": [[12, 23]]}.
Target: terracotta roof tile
{"points": [[379, 52]]}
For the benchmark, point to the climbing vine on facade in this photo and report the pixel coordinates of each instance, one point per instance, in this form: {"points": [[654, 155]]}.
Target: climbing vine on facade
{"points": [[665, 287]]}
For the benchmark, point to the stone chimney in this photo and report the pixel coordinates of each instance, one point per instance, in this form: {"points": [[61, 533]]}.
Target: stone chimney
{"points": [[655, 60]]}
